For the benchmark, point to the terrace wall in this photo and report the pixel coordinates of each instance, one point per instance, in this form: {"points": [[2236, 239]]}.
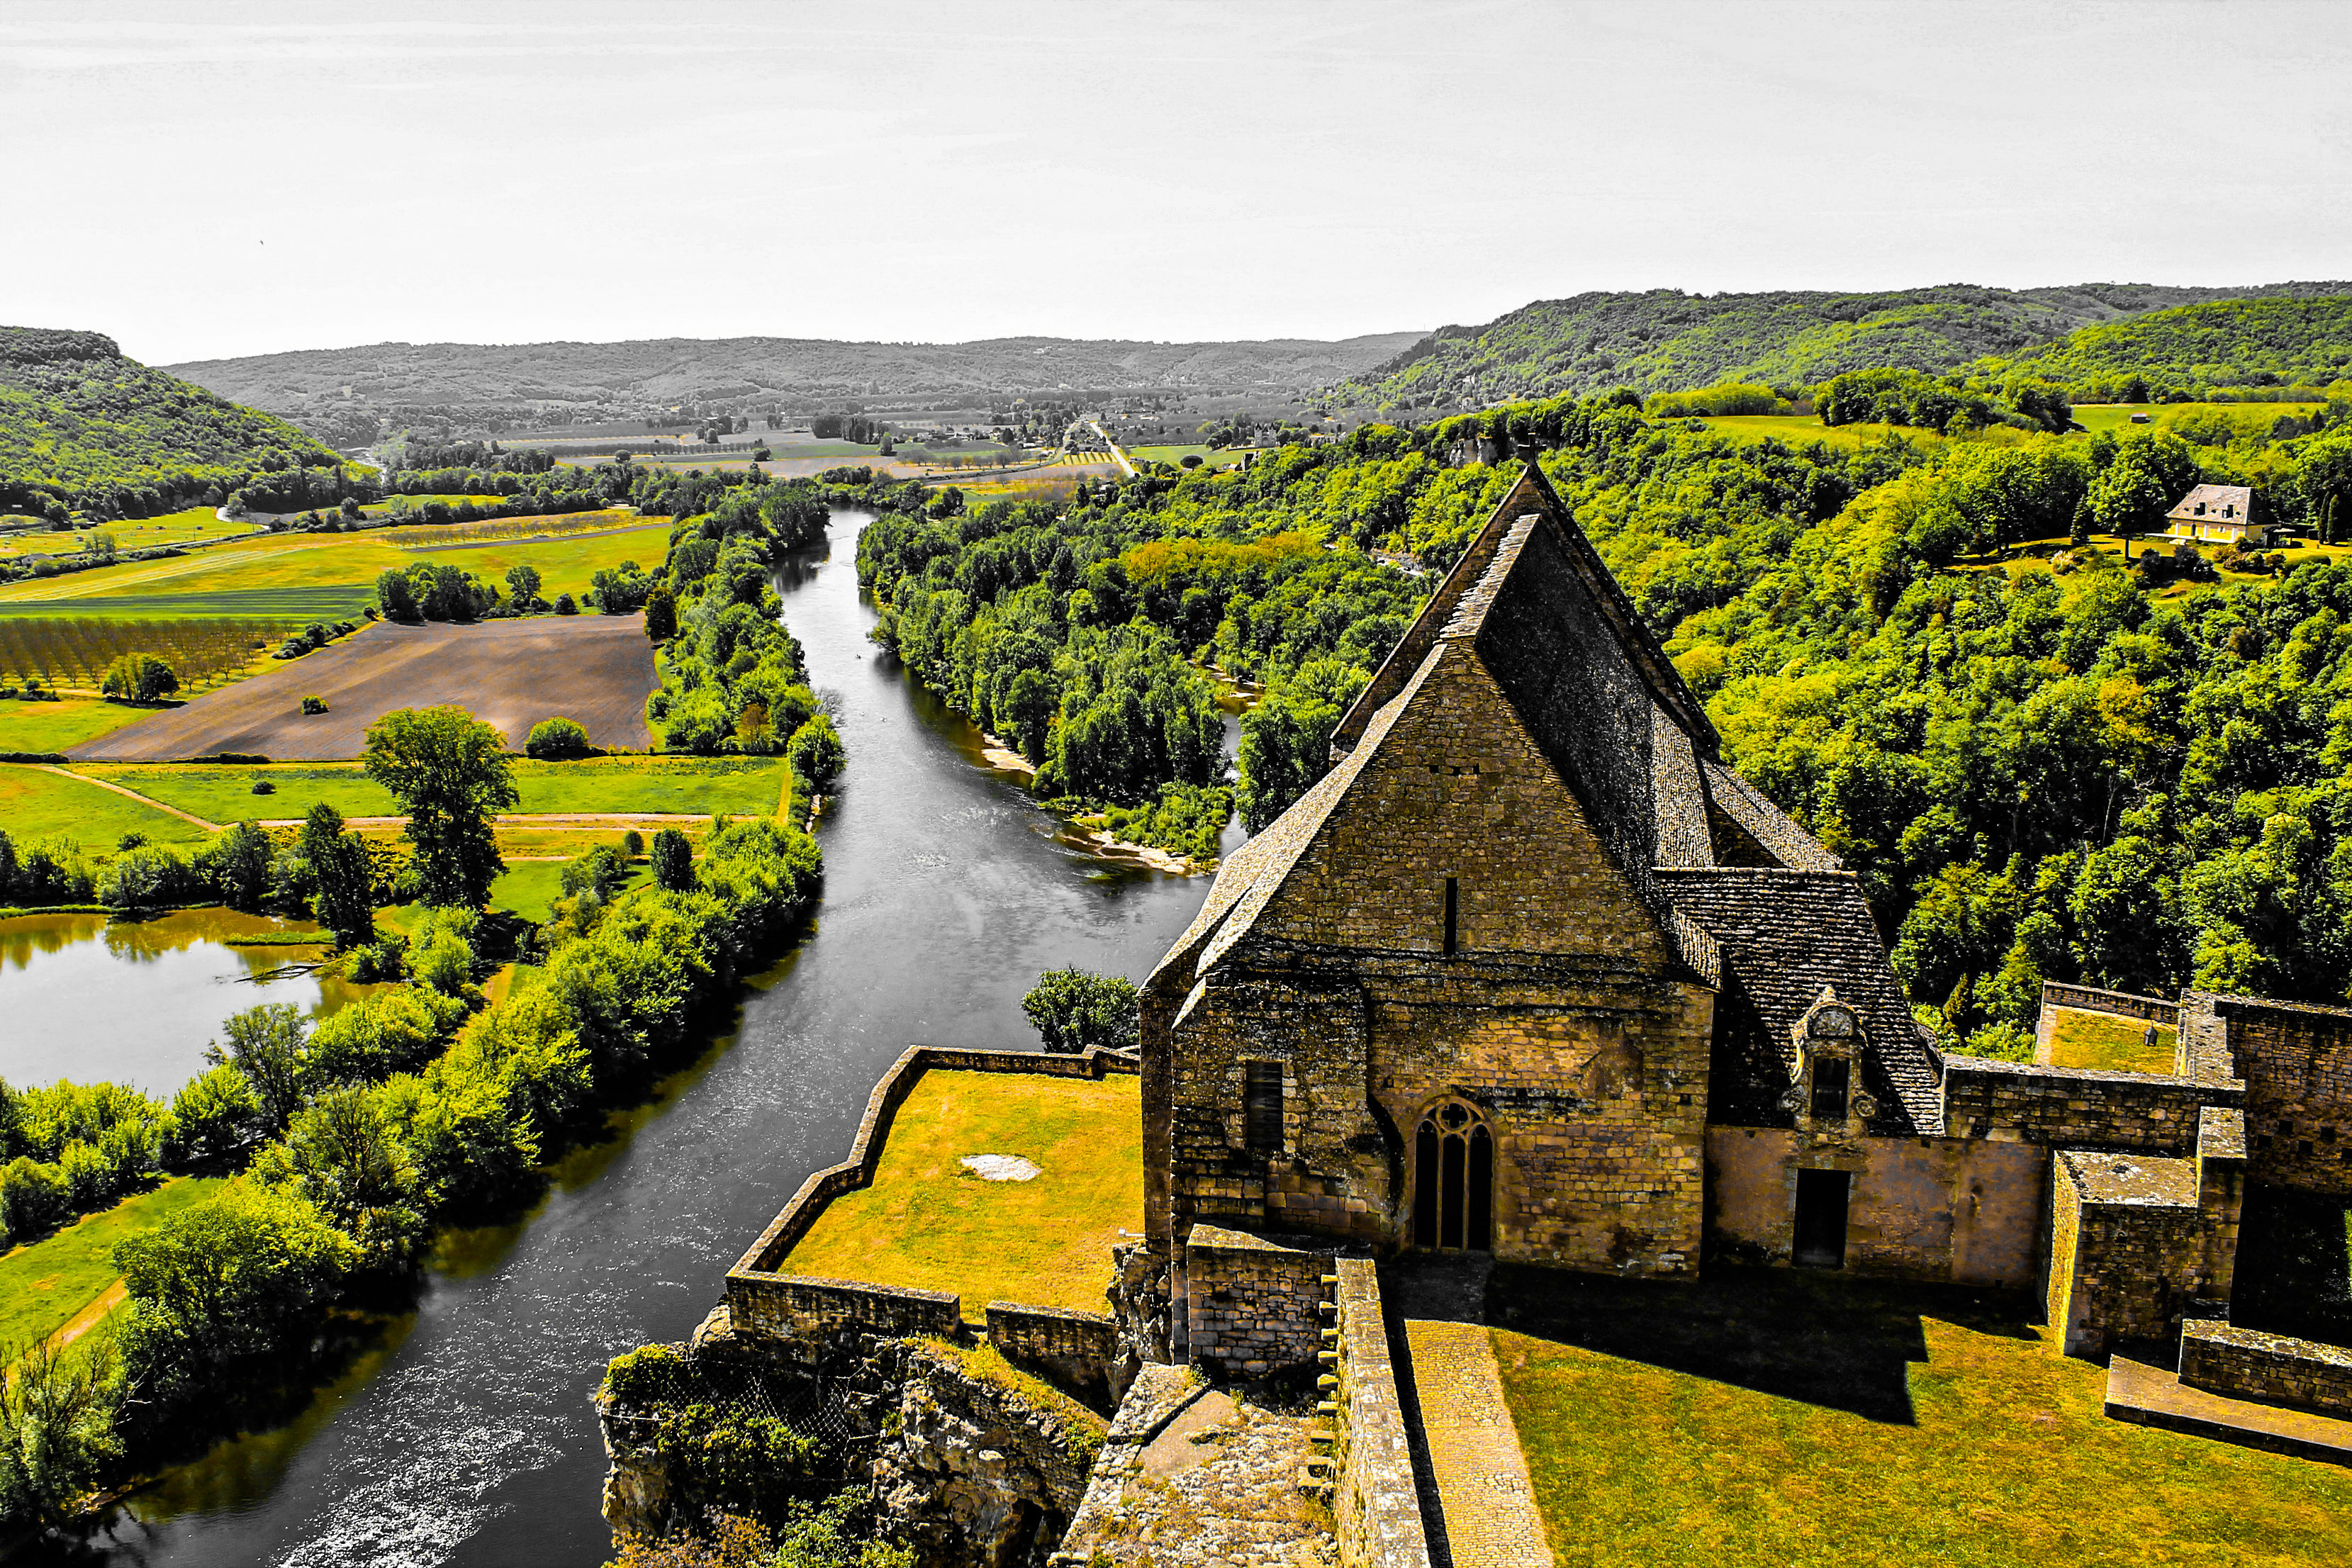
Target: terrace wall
{"points": [[1375, 1507], [767, 1302], [2014, 1102], [785, 1307], [1079, 1353], [2245, 1364], [2122, 1004], [2297, 1060]]}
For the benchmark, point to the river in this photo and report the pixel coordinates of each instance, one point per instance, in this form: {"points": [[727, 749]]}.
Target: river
{"points": [[468, 1438]]}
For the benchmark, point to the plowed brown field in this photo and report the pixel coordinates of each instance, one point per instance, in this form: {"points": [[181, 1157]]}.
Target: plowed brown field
{"points": [[598, 669]]}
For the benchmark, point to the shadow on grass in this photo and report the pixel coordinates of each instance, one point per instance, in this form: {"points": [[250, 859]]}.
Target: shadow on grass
{"points": [[1826, 1339], [2294, 1266]]}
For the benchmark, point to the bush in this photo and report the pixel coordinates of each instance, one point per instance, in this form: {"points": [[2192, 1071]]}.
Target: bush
{"points": [[262, 787], [673, 861], [815, 754], [1075, 1009], [556, 738], [139, 677], [566, 606], [314, 705]]}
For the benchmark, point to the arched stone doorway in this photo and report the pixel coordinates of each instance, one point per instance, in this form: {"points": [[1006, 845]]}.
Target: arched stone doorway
{"points": [[1453, 1179]]}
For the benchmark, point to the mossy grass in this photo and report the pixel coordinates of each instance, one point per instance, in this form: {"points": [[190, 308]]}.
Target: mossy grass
{"points": [[983, 1363], [929, 1223], [2108, 1044], [43, 1285], [1799, 1418]]}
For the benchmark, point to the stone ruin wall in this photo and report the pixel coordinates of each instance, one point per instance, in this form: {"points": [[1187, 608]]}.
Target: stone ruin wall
{"points": [[2297, 1059], [2127, 1248], [2077, 1108], [1252, 1306], [2245, 1364], [1374, 1498]]}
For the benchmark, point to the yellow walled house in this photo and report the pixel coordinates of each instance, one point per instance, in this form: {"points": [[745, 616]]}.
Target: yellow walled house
{"points": [[2218, 514]]}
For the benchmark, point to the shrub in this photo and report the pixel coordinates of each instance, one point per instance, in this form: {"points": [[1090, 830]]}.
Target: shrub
{"points": [[139, 677], [556, 737], [566, 606], [673, 860], [262, 787], [314, 705], [632, 844], [1075, 1008], [815, 754]]}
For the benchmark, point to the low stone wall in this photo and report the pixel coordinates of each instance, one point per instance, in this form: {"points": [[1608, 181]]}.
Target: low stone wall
{"points": [[2015, 1102], [2297, 1061], [1374, 1500], [1253, 1306], [760, 1296], [793, 1307], [2122, 1004], [1079, 1353], [2246, 1364]]}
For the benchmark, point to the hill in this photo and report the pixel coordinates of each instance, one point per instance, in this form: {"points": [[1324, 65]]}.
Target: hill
{"points": [[343, 394], [2272, 342], [83, 428], [1666, 341]]}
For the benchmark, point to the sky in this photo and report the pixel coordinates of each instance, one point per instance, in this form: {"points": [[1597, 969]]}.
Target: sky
{"points": [[209, 180]]}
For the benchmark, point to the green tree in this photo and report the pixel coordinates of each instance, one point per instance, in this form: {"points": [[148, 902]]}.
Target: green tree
{"points": [[661, 614], [344, 899], [139, 677], [266, 1044], [56, 1429], [395, 598], [238, 864], [1286, 739], [450, 774], [1075, 1009], [557, 737], [522, 582], [815, 754], [341, 1156], [673, 860]]}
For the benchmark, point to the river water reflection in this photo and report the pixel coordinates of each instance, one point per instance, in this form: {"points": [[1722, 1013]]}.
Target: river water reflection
{"points": [[137, 1001], [470, 1439]]}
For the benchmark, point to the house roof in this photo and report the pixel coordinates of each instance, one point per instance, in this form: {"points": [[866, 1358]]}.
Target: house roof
{"points": [[2221, 503]]}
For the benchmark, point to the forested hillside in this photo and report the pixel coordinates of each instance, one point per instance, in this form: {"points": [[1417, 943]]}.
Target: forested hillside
{"points": [[1666, 341], [349, 395], [81, 428], [2227, 342], [2040, 770]]}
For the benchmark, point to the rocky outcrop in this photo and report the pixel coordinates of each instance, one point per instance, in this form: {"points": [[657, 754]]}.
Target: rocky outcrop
{"points": [[972, 1462]]}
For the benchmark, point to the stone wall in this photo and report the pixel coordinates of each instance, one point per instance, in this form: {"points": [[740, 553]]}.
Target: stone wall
{"points": [[2245, 1364], [798, 1307], [2297, 1060], [1920, 1209], [2221, 1193], [1079, 1353], [2122, 1004], [2062, 1108], [1374, 1499], [2127, 1248], [1253, 1306]]}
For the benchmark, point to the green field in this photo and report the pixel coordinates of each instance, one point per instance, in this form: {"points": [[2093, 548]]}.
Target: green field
{"points": [[54, 726], [740, 786], [1803, 430], [142, 534], [930, 1223], [37, 804], [393, 506], [531, 887], [2104, 1043], [565, 566], [292, 607], [2254, 418], [43, 1286], [1795, 1418]]}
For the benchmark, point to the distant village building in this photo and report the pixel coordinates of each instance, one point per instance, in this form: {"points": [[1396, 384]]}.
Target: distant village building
{"points": [[2218, 514], [1533, 973]]}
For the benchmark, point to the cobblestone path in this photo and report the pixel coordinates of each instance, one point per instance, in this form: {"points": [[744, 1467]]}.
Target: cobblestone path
{"points": [[1490, 1518]]}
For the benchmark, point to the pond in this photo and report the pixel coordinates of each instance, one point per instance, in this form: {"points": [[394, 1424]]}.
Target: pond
{"points": [[467, 1438], [136, 1002]]}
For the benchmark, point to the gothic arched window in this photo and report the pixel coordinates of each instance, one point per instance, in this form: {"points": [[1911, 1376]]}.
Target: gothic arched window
{"points": [[1453, 1179]]}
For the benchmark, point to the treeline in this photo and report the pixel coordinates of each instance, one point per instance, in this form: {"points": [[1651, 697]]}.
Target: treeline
{"points": [[481, 456], [854, 428], [2185, 354]]}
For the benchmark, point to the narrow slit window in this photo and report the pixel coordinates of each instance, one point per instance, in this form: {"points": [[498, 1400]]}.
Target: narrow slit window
{"points": [[1261, 1107], [1452, 914], [1830, 1080]]}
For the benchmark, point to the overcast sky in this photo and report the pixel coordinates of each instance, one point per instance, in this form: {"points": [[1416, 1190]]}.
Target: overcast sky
{"points": [[211, 180]]}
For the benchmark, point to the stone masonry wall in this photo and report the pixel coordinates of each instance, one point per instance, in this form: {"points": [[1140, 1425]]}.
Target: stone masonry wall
{"points": [[2221, 1193], [2059, 1108], [2247, 1365], [1374, 1498], [1079, 1353], [2122, 1004], [2128, 1248], [2297, 1060], [796, 1306], [1253, 1306]]}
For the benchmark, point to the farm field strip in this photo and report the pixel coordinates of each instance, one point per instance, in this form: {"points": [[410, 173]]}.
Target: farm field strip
{"points": [[619, 790], [48, 1284], [54, 726], [39, 801], [76, 650], [538, 525]]}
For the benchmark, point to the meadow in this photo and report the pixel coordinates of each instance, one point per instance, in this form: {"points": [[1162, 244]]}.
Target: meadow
{"points": [[1792, 1418], [45, 1284], [197, 523], [740, 786], [445, 534], [54, 726], [2252, 419], [530, 888], [37, 803]]}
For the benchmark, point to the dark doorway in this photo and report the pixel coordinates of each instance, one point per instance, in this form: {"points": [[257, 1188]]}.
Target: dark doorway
{"points": [[1821, 1219], [1454, 1181]]}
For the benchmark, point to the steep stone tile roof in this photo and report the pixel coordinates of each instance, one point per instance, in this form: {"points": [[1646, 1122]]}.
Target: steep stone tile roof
{"points": [[1766, 825], [1785, 935]]}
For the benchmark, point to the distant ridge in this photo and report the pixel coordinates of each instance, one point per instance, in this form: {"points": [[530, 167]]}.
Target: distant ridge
{"points": [[341, 393], [1664, 340]]}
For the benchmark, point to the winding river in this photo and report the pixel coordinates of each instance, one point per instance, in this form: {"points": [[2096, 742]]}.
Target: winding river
{"points": [[467, 1439]]}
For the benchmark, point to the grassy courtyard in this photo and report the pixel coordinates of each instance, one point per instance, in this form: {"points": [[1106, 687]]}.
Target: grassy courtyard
{"points": [[930, 1223], [1793, 1418], [2106, 1042]]}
